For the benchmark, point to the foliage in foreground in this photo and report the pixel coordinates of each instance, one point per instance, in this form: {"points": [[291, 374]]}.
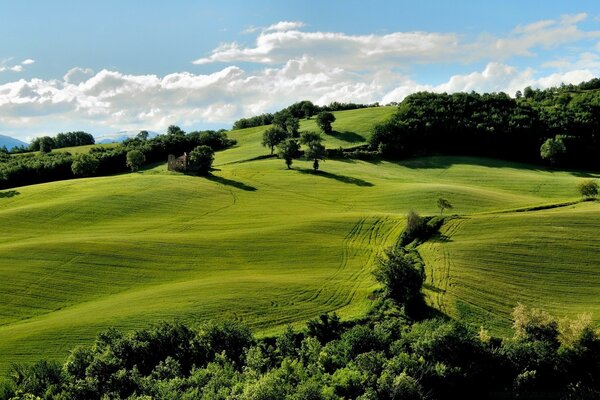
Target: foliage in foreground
{"points": [[384, 356]]}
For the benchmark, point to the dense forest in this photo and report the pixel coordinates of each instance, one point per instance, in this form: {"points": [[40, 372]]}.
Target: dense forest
{"points": [[31, 168], [560, 126]]}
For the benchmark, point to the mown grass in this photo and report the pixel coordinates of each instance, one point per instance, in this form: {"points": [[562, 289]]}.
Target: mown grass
{"points": [[271, 246]]}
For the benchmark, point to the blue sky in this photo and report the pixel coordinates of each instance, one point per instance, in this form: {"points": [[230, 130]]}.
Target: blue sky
{"points": [[110, 66]]}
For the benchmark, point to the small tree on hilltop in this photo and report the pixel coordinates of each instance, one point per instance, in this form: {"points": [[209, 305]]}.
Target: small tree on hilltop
{"points": [[288, 150], [588, 189], [201, 159], [552, 149], [324, 120], [135, 159], [273, 136], [443, 204], [84, 165]]}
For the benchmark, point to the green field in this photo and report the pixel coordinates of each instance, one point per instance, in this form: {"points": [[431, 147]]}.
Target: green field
{"points": [[270, 247]]}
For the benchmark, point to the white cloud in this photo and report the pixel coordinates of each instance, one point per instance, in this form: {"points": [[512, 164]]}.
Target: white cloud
{"points": [[285, 26], [8, 65], [284, 41], [28, 61]]}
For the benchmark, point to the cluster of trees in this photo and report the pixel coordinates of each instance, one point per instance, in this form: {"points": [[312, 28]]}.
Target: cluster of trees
{"points": [[45, 144], [132, 154], [288, 145], [560, 125], [299, 110]]}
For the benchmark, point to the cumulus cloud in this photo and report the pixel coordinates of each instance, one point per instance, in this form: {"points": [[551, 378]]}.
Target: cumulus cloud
{"points": [[6, 65], [293, 65], [283, 40]]}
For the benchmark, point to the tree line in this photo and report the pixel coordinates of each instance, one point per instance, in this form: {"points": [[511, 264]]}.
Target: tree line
{"points": [[299, 110], [27, 169], [560, 126]]}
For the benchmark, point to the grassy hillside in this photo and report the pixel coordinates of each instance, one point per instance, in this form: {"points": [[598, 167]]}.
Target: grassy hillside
{"points": [[351, 128], [483, 265], [269, 246]]}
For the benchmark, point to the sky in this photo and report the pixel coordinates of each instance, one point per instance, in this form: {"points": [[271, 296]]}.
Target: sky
{"points": [[112, 66]]}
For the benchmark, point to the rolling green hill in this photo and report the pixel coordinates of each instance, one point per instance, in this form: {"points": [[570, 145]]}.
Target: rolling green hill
{"points": [[269, 246]]}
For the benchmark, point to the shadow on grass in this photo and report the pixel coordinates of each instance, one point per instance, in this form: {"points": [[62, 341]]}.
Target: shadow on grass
{"points": [[347, 136], [9, 193], [439, 238], [339, 178], [231, 182]]}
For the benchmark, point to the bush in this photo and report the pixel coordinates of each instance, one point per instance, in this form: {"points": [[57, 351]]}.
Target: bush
{"points": [[135, 159], [201, 159], [588, 189]]}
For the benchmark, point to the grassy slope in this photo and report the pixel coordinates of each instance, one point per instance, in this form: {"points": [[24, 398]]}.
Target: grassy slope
{"points": [[256, 242], [351, 128], [485, 264]]}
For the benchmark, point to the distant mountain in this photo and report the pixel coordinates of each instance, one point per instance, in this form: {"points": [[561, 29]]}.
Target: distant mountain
{"points": [[118, 137], [10, 142]]}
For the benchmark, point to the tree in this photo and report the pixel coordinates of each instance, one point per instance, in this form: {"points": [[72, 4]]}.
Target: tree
{"points": [[315, 150], [175, 131], [443, 204], [46, 144], [324, 120], [135, 159], [308, 109], [273, 136], [288, 150], [588, 189], [291, 126], [201, 159], [143, 135], [401, 276], [84, 165], [552, 149]]}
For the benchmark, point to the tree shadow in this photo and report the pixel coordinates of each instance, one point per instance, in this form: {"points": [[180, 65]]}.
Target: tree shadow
{"points": [[9, 193], [231, 182], [439, 238], [339, 178], [347, 136]]}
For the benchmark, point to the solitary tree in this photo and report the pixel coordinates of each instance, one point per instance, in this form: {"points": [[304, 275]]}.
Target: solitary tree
{"points": [[324, 120], [443, 204], [588, 189], [84, 165], [135, 159], [201, 159], [315, 150], [288, 150], [273, 136], [552, 149]]}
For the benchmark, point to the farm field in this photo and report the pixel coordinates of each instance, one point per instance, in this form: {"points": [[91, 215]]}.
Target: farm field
{"points": [[272, 247]]}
